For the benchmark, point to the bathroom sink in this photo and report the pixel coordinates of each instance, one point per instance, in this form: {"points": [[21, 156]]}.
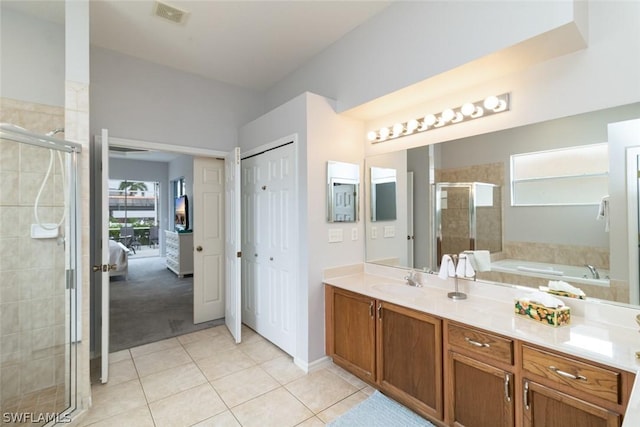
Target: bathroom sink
{"points": [[397, 289]]}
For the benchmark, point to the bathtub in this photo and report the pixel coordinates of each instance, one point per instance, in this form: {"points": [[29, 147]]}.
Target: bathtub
{"points": [[567, 273]]}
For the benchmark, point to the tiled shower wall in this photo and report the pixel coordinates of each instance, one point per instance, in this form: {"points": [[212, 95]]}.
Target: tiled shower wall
{"points": [[32, 288]]}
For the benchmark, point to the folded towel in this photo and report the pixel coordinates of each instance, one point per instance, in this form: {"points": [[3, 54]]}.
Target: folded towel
{"points": [[480, 260], [559, 285], [543, 299], [603, 212], [447, 268], [465, 269]]}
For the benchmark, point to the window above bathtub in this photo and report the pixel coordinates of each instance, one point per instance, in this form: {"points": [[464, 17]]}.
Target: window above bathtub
{"points": [[566, 176]]}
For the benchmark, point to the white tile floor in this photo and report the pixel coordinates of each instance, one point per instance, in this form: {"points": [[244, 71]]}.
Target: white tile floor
{"points": [[205, 379]]}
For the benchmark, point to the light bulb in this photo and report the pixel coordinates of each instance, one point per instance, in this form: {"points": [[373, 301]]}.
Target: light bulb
{"points": [[372, 136], [468, 109], [448, 114], [478, 113], [491, 102], [397, 129], [412, 125], [384, 133], [429, 120]]}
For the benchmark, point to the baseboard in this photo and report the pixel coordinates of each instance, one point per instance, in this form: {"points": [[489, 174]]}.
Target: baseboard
{"points": [[313, 366]]}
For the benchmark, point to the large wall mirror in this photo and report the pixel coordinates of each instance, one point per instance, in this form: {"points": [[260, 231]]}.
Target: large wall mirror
{"points": [[343, 186], [457, 195]]}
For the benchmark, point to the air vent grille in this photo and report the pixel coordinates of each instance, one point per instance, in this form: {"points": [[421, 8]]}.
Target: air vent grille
{"points": [[170, 13]]}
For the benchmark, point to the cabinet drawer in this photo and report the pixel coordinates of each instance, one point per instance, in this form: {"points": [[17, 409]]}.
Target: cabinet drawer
{"points": [[480, 342], [580, 376]]}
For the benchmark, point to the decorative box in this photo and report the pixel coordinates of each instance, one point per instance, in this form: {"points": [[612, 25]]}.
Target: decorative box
{"points": [[546, 315]]}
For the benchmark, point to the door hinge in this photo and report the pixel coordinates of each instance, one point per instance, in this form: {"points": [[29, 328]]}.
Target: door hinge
{"points": [[239, 254]]}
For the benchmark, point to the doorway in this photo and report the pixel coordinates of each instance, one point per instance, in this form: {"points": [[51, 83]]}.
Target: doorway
{"points": [[177, 326]]}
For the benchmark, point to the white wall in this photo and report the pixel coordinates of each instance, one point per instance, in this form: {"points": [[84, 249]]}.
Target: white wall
{"points": [[136, 99], [329, 137], [32, 58], [412, 41]]}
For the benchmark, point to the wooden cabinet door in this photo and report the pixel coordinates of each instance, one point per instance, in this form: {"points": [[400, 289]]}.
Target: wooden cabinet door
{"points": [[410, 358], [353, 327], [545, 407], [478, 394]]}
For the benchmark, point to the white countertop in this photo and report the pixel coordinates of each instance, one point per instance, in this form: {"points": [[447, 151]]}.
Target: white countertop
{"points": [[603, 333]]}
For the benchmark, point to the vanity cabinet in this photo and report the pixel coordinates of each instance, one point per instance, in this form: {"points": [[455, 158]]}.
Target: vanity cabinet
{"points": [[409, 351], [458, 375], [559, 391], [393, 348], [479, 373], [350, 332]]}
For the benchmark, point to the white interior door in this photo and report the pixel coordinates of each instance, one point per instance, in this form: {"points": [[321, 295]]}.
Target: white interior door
{"points": [[208, 239], [269, 242], [232, 313], [104, 242]]}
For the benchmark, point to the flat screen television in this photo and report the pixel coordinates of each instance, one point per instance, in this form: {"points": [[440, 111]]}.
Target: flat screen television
{"points": [[181, 213]]}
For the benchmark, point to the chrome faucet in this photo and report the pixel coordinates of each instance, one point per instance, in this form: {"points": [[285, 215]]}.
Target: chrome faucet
{"points": [[593, 270], [413, 279]]}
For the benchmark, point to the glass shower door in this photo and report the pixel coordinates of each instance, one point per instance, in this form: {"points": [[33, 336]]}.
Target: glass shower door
{"points": [[38, 293]]}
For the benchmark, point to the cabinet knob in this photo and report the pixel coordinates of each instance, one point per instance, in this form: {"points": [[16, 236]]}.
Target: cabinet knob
{"points": [[199, 248]]}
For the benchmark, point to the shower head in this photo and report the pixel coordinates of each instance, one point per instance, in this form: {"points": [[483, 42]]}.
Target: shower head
{"points": [[57, 130]]}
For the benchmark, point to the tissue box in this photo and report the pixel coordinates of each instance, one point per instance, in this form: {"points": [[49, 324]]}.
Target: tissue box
{"points": [[564, 294], [548, 316]]}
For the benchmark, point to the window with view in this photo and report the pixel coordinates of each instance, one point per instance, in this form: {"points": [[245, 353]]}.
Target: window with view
{"points": [[567, 176]]}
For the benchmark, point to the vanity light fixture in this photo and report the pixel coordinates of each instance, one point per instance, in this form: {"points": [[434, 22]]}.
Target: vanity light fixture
{"points": [[468, 111]]}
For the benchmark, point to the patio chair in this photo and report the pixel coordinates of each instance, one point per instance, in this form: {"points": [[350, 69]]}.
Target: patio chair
{"points": [[129, 239]]}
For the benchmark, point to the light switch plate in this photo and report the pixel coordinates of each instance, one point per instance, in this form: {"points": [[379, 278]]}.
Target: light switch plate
{"points": [[354, 234], [374, 232], [335, 235], [389, 231]]}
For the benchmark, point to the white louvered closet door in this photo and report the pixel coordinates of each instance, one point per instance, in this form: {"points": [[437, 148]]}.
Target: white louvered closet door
{"points": [[269, 262]]}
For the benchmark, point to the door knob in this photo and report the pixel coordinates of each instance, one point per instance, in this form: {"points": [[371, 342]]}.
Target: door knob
{"points": [[199, 248]]}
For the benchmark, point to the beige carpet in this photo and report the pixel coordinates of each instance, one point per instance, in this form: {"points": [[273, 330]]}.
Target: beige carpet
{"points": [[151, 305]]}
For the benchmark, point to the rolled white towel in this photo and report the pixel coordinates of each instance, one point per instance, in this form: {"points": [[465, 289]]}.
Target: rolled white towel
{"points": [[464, 268], [447, 268]]}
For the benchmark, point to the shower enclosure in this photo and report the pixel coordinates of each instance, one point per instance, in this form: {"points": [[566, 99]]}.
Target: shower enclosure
{"points": [[468, 217], [38, 277]]}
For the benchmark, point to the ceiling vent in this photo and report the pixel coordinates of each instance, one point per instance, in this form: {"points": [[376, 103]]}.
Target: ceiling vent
{"points": [[170, 13]]}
